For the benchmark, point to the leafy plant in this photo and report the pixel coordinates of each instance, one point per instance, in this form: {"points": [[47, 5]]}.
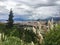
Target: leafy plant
{"points": [[53, 37]]}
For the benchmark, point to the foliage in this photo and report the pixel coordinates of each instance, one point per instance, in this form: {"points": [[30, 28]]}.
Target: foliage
{"points": [[53, 37], [12, 41], [10, 20], [2, 26], [19, 36], [14, 33]]}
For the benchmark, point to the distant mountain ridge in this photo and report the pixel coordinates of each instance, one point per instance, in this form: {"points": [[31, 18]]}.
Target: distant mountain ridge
{"points": [[2, 20], [49, 18], [21, 19]]}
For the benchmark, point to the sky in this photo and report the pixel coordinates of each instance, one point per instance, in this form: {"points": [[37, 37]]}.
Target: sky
{"points": [[30, 9]]}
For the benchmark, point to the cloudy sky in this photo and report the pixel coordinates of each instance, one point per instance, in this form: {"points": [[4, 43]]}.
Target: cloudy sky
{"points": [[30, 9]]}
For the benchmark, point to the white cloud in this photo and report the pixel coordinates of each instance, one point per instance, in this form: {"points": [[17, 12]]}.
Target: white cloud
{"points": [[1, 3], [34, 2], [32, 9], [58, 2], [44, 12], [10, 4]]}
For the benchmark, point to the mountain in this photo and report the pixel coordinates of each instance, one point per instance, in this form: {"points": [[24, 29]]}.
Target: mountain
{"points": [[2, 20], [23, 19], [49, 18], [19, 19]]}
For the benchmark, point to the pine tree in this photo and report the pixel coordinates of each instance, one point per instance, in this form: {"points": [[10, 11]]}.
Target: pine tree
{"points": [[10, 20]]}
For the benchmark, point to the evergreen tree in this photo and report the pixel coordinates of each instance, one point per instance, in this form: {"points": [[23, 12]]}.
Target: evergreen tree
{"points": [[10, 20]]}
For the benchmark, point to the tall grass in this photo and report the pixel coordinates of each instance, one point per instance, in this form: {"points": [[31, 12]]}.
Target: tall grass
{"points": [[16, 36]]}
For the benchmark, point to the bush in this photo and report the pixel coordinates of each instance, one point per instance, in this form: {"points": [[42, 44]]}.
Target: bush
{"points": [[53, 37], [12, 41], [15, 41]]}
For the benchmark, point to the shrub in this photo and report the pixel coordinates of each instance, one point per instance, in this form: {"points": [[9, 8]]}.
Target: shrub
{"points": [[53, 37]]}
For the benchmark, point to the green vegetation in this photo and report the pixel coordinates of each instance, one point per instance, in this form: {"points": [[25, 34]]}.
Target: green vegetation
{"points": [[53, 37], [18, 36], [10, 20]]}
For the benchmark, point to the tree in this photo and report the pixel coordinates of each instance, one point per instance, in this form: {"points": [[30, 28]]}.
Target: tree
{"points": [[10, 20]]}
